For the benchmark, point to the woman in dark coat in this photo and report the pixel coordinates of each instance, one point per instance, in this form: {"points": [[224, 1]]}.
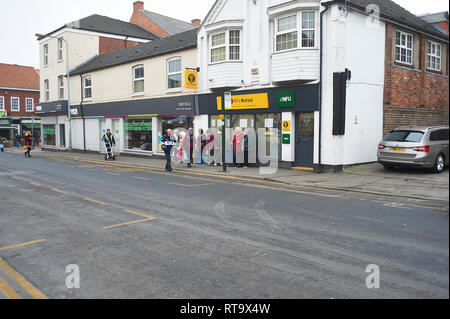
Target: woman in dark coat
{"points": [[28, 143]]}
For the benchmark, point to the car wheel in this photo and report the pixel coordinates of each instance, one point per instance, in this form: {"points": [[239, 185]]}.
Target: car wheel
{"points": [[388, 167], [439, 164]]}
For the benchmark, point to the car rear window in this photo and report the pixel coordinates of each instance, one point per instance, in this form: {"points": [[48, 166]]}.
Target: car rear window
{"points": [[404, 136]]}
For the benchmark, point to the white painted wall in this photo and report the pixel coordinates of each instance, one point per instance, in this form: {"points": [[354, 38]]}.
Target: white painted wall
{"points": [[350, 43]]}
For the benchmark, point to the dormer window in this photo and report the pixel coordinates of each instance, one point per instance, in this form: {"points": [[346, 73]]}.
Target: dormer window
{"points": [[226, 46]]}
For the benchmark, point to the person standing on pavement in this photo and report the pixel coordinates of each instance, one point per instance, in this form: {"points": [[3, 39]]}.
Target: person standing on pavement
{"points": [[18, 139], [28, 143], [167, 142]]}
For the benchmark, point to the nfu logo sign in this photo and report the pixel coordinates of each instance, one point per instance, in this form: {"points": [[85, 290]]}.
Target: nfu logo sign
{"points": [[286, 99]]}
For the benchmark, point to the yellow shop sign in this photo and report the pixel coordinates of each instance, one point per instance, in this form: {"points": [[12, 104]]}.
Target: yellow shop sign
{"points": [[190, 79], [246, 101]]}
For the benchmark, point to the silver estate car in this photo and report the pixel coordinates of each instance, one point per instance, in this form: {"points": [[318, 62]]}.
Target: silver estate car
{"points": [[416, 146]]}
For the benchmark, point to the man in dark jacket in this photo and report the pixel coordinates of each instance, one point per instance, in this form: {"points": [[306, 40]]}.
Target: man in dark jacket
{"points": [[167, 142]]}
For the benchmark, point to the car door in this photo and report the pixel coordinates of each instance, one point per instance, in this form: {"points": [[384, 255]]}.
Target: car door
{"points": [[443, 139]]}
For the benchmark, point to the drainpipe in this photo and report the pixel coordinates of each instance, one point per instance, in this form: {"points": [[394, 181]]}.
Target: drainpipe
{"points": [[320, 87], [82, 113]]}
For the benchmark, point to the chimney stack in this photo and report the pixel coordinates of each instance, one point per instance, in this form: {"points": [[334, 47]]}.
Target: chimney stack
{"points": [[197, 22], [138, 5]]}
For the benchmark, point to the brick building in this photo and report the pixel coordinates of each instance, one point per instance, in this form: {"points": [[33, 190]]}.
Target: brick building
{"points": [[19, 92], [159, 24], [416, 71]]}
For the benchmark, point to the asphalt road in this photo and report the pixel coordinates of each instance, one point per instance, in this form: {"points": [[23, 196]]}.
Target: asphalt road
{"points": [[137, 233]]}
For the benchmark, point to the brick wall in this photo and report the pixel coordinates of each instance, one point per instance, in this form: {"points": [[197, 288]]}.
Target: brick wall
{"points": [[140, 19], [107, 45], [411, 95], [22, 95]]}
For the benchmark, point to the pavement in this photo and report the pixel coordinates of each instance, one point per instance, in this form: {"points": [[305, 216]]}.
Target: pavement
{"points": [[370, 178]]}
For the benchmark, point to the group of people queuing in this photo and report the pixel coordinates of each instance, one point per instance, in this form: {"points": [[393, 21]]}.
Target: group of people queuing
{"points": [[207, 145]]}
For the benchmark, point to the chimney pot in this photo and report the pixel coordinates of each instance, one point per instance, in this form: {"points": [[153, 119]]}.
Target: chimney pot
{"points": [[197, 22], [138, 5]]}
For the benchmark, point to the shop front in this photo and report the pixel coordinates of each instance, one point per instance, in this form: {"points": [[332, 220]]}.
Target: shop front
{"points": [[265, 112]]}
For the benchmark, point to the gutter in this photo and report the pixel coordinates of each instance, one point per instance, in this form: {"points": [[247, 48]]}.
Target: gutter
{"points": [[319, 170]]}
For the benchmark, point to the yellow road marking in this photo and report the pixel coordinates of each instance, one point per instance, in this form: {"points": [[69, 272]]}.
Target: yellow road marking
{"points": [[192, 185], [141, 178], [35, 184], [59, 191], [138, 214], [306, 169], [94, 201], [129, 223], [29, 288], [146, 219], [114, 174], [22, 245], [7, 290]]}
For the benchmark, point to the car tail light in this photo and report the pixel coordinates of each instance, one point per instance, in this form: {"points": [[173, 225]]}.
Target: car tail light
{"points": [[425, 149], [380, 146]]}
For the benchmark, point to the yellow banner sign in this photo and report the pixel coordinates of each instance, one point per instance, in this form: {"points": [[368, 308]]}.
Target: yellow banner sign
{"points": [[190, 79], [286, 126], [246, 102]]}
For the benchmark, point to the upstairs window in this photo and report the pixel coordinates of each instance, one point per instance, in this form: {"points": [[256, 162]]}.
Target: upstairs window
{"points": [[15, 106], [46, 54], [226, 46], [87, 88], [404, 47], [434, 52], [174, 73], [61, 87], [60, 49], [29, 104], [289, 27], [46, 90], [2, 103], [138, 80]]}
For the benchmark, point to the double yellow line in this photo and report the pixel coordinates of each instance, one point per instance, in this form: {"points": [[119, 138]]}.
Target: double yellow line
{"points": [[9, 292]]}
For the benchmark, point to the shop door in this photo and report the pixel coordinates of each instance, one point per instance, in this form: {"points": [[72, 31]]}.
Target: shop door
{"points": [[304, 144], [62, 135], [116, 131]]}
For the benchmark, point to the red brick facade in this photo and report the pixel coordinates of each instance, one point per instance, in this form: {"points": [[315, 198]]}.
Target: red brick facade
{"points": [[22, 95], [140, 19], [413, 95], [107, 45]]}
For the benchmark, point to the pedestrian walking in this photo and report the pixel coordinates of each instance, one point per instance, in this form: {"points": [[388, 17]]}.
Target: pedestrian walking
{"points": [[28, 143], [210, 147], [18, 139], [167, 143], [238, 147], [201, 142], [109, 140]]}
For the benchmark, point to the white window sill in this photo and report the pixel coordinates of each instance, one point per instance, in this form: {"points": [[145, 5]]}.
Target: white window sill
{"points": [[138, 94], [295, 49], [225, 62], [87, 100], [177, 90]]}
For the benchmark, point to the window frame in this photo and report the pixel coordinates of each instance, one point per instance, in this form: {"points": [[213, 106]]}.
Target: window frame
{"points": [[400, 46], [61, 87], [227, 45], [45, 54], [298, 29], [46, 90], [140, 93], [60, 50], [18, 103], [173, 59], [85, 97], [2, 103], [27, 99], [431, 55]]}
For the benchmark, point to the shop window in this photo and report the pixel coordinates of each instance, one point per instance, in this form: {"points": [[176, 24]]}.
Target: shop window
{"points": [[270, 122], [173, 122], [138, 134], [49, 135]]}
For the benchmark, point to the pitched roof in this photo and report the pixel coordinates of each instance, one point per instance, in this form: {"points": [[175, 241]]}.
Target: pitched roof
{"points": [[19, 76], [181, 41], [390, 10], [103, 24], [170, 25]]}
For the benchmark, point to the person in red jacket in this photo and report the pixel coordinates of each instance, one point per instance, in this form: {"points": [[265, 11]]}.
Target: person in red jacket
{"points": [[28, 143]]}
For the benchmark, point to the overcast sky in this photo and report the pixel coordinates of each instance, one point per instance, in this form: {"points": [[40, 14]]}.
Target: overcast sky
{"points": [[25, 18]]}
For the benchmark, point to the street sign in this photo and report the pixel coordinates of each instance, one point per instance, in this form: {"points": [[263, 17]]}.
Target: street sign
{"points": [[227, 100], [286, 138], [286, 126]]}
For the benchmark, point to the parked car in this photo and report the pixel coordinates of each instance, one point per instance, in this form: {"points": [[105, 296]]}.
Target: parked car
{"points": [[415, 146]]}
